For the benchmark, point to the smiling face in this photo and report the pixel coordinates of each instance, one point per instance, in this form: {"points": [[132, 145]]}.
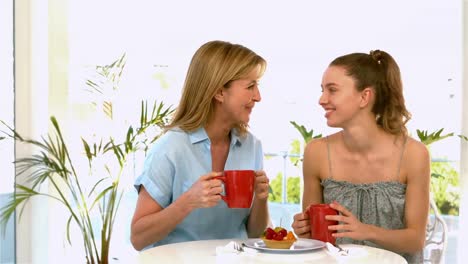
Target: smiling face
{"points": [[340, 99], [239, 97]]}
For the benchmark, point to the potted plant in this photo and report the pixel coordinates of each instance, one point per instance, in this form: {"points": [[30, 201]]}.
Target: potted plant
{"points": [[53, 165], [92, 207]]}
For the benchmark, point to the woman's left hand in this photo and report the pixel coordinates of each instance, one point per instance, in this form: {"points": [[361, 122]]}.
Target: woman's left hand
{"points": [[261, 185], [349, 226]]}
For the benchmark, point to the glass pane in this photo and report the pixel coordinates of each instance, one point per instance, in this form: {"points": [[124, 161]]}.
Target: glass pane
{"points": [[7, 241]]}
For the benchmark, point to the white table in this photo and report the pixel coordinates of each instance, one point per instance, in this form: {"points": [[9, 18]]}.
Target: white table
{"points": [[204, 251]]}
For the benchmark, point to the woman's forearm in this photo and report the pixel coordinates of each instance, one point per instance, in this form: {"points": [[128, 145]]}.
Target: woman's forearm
{"points": [[401, 240], [258, 218], [154, 227]]}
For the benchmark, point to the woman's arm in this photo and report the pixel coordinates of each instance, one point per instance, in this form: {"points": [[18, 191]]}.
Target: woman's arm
{"points": [[144, 231], [313, 154], [412, 238], [312, 164], [259, 216], [151, 222]]}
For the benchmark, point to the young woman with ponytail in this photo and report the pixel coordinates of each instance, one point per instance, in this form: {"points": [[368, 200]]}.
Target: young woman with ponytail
{"points": [[371, 171]]}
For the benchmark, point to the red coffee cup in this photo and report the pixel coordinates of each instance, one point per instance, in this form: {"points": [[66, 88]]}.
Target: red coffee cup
{"points": [[238, 187], [318, 223]]}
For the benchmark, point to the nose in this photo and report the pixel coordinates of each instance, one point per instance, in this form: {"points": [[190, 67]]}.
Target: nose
{"points": [[256, 95], [322, 99]]}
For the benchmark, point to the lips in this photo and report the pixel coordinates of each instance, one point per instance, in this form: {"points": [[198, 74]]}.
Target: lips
{"points": [[250, 107], [328, 111]]}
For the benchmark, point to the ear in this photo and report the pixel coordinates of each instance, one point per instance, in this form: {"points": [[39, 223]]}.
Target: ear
{"points": [[219, 96], [367, 96]]}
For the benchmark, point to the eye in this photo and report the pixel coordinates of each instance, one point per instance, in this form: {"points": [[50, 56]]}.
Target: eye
{"points": [[252, 86], [332, 89]]}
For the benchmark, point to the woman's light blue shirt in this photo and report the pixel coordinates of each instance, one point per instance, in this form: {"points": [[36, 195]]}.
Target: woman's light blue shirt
{"points": [[176, 161]]}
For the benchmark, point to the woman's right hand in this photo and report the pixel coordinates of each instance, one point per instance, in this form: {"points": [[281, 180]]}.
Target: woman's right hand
{"points": [[205, 192], [301, 225]]}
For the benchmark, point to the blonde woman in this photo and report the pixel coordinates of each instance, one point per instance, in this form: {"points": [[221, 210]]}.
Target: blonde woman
{"points": [[178, 198], [371, 171]]}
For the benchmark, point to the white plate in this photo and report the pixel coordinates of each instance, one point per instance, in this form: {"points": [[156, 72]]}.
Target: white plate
{"points": [[301, 245]]}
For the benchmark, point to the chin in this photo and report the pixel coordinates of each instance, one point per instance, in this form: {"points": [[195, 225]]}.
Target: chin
{"points": [[332, 124]]}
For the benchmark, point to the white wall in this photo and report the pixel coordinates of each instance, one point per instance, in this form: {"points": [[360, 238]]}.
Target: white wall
{"points": [[298, 39]]}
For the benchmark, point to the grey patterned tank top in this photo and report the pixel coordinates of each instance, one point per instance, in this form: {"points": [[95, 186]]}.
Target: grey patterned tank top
{"points": [[381, 204]]}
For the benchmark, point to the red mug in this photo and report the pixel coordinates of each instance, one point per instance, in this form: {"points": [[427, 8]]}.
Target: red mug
{"points": [[318, 223], [238, 187]]}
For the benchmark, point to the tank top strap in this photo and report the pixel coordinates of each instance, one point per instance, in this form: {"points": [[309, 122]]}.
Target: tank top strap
{"points": [[329, 159], [401, 159]]}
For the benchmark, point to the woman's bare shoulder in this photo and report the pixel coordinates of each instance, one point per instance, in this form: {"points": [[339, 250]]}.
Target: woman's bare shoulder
{"points": [[417, 153], [318, 146], [315, 145], [415, 147]]}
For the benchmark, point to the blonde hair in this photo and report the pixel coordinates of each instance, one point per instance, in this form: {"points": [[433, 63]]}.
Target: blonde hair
{"points": [[213, 66]]}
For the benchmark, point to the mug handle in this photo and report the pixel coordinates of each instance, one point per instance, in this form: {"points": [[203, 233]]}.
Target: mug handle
{"points": [[223, 179]]}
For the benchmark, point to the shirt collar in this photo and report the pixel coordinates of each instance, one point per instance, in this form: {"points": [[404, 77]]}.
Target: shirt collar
{"points": [[200, 135]]}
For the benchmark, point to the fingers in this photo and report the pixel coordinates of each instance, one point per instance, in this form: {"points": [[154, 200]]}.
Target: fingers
{"points": [[262, 184], [261, 178], [301, 225], [213, 183], [339, 218], [342, 234], [300, 217], [340, 227], [210, 175], [260, 173], [210, 201], [215, 190], [303, 232], [348, 225], [208, 182], [337, 206], [345, 215], [210, 196], [205, 192]]}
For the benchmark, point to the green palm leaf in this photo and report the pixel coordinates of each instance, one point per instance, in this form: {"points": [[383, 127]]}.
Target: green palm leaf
{"points": [[68, 229], [307, 135], [101, 195], [8, 210], [435, 136]]}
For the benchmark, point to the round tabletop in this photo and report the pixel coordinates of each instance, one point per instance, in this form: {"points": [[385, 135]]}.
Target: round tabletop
{"points": [[205, 251]]}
